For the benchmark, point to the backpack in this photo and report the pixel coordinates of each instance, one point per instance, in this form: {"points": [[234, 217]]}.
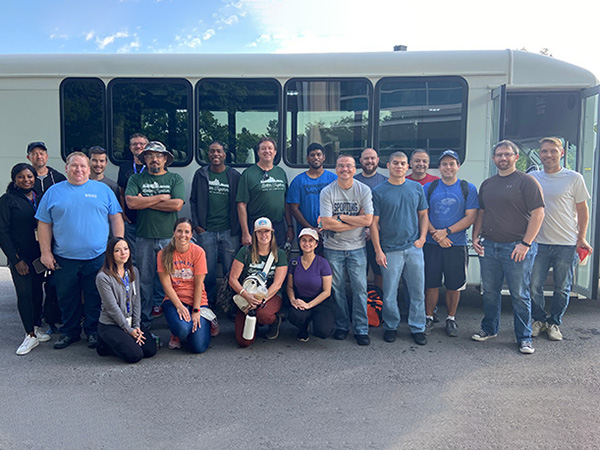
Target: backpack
{"points": [[374, 305], [464, 187]]}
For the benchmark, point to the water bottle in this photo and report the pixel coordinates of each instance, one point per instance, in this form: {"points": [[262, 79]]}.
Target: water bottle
{"points": [[249, 326]]}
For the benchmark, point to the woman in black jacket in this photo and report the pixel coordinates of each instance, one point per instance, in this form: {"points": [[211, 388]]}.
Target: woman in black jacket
{"points": [[19, 244]]}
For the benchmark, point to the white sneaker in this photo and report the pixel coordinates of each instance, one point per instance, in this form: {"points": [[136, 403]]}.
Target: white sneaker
{"points": [[28, 344], [537, 327], [41, 335], [526, 347], [554, 332]]}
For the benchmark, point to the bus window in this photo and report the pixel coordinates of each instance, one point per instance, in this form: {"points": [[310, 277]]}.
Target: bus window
{"points": [[428, 113], [159, 108], [531, 116], [82, 114], [332, 113], [237, 113]]}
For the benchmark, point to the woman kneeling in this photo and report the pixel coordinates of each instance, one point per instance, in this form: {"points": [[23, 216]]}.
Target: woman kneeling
{"points": [[181, 269], [119, 328]]}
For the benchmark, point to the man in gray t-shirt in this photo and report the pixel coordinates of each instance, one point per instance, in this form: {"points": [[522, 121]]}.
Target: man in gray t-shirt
{"points": [[346, 209]]}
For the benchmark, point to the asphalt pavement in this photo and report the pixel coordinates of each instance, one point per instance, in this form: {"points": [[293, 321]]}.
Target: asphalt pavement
{"points": [[453, 393]]}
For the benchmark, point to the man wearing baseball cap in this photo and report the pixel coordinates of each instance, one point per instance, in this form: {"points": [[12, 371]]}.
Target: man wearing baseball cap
{"points": [[37, 154], [453, 206], [157, 195]]}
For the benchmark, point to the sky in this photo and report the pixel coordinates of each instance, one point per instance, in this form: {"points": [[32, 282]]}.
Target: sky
{"points": [[568, 29]]}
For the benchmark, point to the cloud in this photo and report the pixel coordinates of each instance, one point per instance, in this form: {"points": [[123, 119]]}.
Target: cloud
{"points": [[59, 36], [209, 33], [134, 45], [103, 42], [90, 35]]}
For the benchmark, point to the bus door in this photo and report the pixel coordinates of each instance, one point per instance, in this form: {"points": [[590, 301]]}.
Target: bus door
{"points": [[498, 123], [588, 164]]}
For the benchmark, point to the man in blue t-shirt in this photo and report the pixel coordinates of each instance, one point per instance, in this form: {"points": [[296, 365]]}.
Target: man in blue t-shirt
{"points": [[74, 215], [304, 191], [453, 206], [398, 233]]}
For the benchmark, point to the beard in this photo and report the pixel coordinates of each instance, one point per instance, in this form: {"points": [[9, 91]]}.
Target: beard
{"points": [[154, 169]]}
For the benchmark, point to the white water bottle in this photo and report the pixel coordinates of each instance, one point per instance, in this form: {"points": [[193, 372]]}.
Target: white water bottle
{"points": [[249, 326]]}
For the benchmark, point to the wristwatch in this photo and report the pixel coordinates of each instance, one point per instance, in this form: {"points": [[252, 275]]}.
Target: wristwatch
{"points": [[448, 231], [196, 310], [526, 244]]}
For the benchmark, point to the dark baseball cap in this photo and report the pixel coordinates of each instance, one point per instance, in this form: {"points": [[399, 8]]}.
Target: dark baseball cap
{"points": [[37, 144], [451, 153]]}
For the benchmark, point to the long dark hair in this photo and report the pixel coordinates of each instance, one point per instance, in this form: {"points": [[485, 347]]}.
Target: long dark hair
{"points": [[166, 254], [17, 169], [110, 267]]}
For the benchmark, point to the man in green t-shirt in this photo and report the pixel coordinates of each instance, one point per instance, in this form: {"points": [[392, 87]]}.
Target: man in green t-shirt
{"points": [[157, 195], [261, 193]]}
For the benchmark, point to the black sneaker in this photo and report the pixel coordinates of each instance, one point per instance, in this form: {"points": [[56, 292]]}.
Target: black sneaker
{"points": [[92, 341], [302, 335], [420, 338], [362, 339], [436, 318], [64, 341], [273, 332], [389, 335], [451, 328], [428, 326], [340, 335]]}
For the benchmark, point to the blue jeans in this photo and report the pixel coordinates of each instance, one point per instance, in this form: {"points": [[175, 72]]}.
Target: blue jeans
{"points": [[355, 262], [217, 244], [495, 265], [152, 291], [562, 259], [411, 262], [197, 341], [74, 278]]}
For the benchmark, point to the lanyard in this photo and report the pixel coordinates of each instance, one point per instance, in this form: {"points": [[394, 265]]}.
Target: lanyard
{"points": [[135, 168], [127, 287]]}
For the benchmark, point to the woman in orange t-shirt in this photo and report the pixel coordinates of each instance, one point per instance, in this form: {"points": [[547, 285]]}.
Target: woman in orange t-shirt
{"points": [[181, 269]]}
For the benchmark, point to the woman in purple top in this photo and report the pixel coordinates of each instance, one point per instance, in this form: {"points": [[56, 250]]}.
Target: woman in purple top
{"points": [[309, 289]]}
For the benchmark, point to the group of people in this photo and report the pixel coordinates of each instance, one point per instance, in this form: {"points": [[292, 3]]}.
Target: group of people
{"points": [[119, 256]]}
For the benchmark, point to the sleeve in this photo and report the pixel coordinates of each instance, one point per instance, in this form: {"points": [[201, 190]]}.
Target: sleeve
{"points": [[325, 268], [109, 301], [241, 255], [200, 267], [367, 200], [580, 193], [292, 266], [136, 302], [376, 202], [6, 241], [532, 193], [472, 198], [178, 188], [281, 258], [243, 193], [194, 198], [114, 207], [43, 212], [121, 177], [422, 200], [480, 195], [293, 194], [133, 187], [326, 205], [159, 265]]}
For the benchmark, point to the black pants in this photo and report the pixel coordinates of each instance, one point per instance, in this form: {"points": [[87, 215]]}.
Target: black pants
{"points": [[113, 339], [322, 316], [29, 297]]}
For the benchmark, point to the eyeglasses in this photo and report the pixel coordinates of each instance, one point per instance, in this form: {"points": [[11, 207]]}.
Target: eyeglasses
{"points": [[265, 176], [504, 155], [345, 166]]}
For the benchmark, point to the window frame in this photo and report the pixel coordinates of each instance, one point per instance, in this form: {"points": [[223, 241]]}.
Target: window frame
{"points": [[277, 84], [370, 93], [151, 81], [462, 153], [63, 131]]}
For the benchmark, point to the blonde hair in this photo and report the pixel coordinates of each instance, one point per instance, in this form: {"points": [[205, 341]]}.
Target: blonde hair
{"points": [[552, 140], [166, 254], [254, 256], [76, 154]]}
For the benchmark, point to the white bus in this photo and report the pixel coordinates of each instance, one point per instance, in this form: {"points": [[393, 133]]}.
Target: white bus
{"points": [[463, 100]]}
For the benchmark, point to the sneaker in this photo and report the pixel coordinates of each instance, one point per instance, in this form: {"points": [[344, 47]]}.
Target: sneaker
{"points": [[554, 332], [340, 335], [157, 312], [92, 341], [526, 347], [215, 329], [436, 318], [41, 336], [302, 335], [389, 335], [537, 327], [273, 332], [481, 336], [362, 339], [429, 326], [174, 343], [29, 343], [64, 341], [420, 338], [451, 328]]}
